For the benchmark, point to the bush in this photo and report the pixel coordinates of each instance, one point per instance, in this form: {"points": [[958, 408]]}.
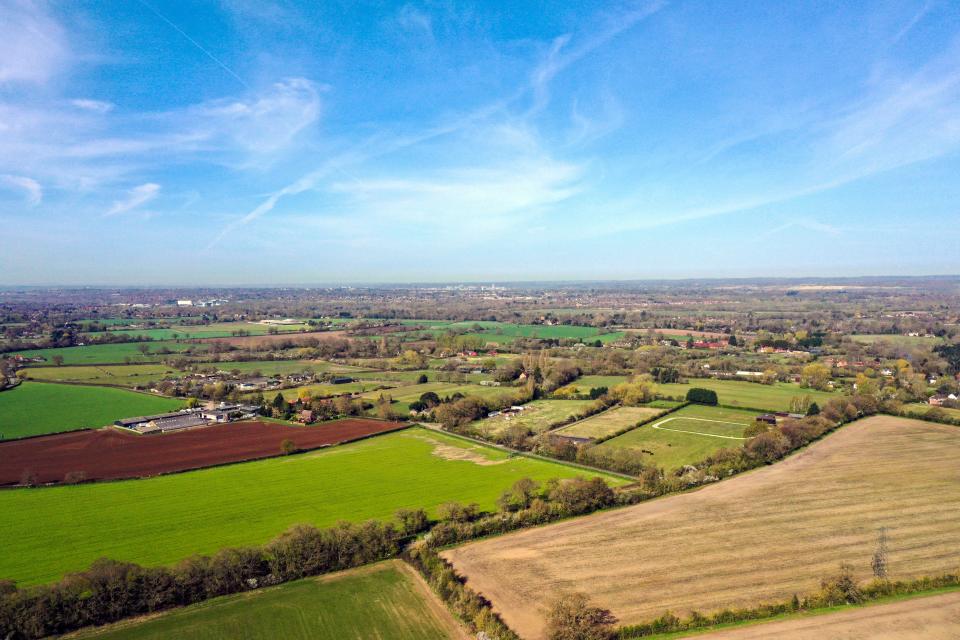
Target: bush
{"points": [[702, 396]]}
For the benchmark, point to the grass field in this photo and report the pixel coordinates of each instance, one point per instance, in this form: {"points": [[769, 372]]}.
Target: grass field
{"points": [[897, 340], [758, 537], [55, 530], [214, 330], [610, 421], [583, 384], [112, 353], [284, 367], [686, 436], [34, 408], [503, 332], [538, 416], [919, 410], [386, 601], [327, 390], [403, 396], [118, 375], [752, 395]]}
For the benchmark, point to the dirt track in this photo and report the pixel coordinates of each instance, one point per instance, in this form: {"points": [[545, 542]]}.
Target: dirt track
{"points": [[929, 618], [110, 454], [762, 536]]}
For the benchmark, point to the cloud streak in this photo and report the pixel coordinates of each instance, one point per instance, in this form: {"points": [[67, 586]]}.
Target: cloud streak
{"points": [[32, 188], [136, 197]]}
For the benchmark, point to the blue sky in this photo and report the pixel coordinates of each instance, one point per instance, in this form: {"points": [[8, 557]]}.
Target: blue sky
{"points": [[257, 142]]}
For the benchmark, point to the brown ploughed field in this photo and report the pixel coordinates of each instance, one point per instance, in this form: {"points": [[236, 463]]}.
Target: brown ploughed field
{"points": [[111, 454], [269, 339], [758, 537], [927, 618]]}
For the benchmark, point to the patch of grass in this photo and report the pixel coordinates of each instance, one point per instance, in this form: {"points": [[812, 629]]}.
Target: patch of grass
{"points": [[583, 384], [131, 375], [538, 416], [686, 436], [897, 340], [752, 395], [385, 601], [113, 353], [35, 408], [920, 410], [54, 530]]}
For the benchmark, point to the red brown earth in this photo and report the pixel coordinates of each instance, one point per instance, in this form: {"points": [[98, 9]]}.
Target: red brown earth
{"points": [[111, 454]]}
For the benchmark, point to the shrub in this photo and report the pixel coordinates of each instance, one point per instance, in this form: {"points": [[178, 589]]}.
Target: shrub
{"points": [[702, 396]]}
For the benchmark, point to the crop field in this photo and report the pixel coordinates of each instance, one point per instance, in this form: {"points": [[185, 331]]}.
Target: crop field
{"points": [[387, 601], [118, 353], [758, 537], [610, 421], [123, 375], [112, 454], [915, 618], [50, 531], [35, 408], [686, 436], [583, 384], [328, 390], [751, 395], [897, 340], [538, 416]]}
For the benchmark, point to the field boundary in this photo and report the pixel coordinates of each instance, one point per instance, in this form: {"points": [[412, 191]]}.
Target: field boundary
{"points": [[640, 423]]}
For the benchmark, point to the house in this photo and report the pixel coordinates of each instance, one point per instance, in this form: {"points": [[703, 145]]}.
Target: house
{"points": [[940, 400], [306, 416]]}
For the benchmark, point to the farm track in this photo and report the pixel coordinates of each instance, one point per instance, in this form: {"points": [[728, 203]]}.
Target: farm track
{"points": [[111, 454], [756, 538]]}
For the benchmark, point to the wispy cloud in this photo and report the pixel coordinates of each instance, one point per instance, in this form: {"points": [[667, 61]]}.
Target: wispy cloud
{"points": [[33, 44], [136, 197], [96, 106], [31, 187]]}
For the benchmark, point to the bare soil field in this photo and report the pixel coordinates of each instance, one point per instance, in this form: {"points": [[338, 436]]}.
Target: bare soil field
{"points": [[762, 536], [928, 618], [112, 454], [294, 337]]}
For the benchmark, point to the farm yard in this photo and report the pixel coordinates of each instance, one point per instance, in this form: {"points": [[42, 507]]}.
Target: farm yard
{"points": [[758, 537], [686, 436], [749, 395], [36, 408], [537, 416], [387, 601], [111, 454], [51, 531], [610, 421]]}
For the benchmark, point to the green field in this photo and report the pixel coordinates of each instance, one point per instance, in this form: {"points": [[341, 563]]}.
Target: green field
{"points": [[752, 395], [54, 530], [918, 410], [502, 332], [686, 436], [283, 367], [328, 390], [611, 421], [387, 601], [214, 330], [124, 375], [537, 416], [583, 384], [403, 396], [112, 353], [897, 340], [34, 408]]}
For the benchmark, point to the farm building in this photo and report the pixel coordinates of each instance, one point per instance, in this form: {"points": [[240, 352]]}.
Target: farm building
{"points": [[188, 418]]}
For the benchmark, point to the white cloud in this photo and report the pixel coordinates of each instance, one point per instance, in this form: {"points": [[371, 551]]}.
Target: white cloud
{"points": [[96, 106], [136, 197], [32, 188], [33, 45]]}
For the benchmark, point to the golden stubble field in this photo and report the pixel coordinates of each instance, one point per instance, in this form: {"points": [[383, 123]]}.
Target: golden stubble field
{"points": [[762, 536]]}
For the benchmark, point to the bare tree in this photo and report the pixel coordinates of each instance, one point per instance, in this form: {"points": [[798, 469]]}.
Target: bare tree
{"points": [[879, 562]]}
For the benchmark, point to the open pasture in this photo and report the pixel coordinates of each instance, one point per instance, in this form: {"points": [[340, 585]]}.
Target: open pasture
{"points": [[35, 408], [329, 390], [267, 340], [116, 353], [920, 410], [403, 396], [283, 367], [897, 340], [610, 421], [387, 601], [123, 375], [758, 537], [749, 395], [111, 454], [537, 416], [50, 531], [686, 436]]}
